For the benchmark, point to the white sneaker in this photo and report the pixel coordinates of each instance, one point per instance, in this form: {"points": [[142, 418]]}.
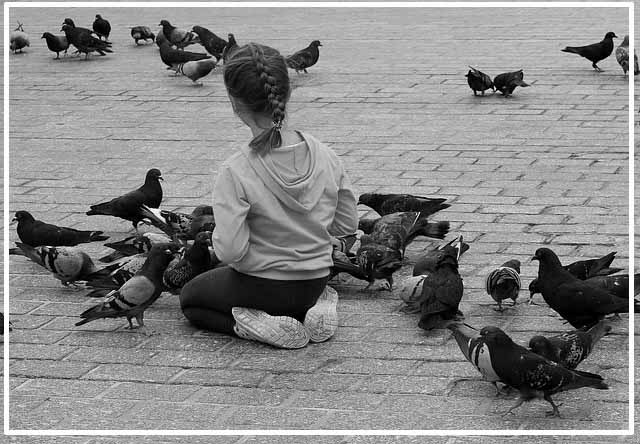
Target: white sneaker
{"points": [[321, 320], [279, 331]]}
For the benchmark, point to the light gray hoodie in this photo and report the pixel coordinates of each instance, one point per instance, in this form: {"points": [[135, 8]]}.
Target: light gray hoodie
{"points": [[275, 213]]}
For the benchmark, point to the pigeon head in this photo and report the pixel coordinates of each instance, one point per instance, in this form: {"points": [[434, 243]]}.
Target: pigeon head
{"points": [[98, 16], [23, 216], [197, 29], [66, 28], [316, 43], [143, 244], [540, 345], [69, 22], [493, 335], [513, 263], [204, 237], [369, 199], [231, 38], [610, 35], [377, 259], [546, 257], [164, 22], [45, 35], [154, 174], [625, 41]]}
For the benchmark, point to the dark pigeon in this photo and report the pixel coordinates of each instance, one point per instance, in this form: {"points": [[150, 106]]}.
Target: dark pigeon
{"points": [[178, 37], [442, 287], [504, 282], [584, 270], [532, 375], [161, 39], [142, 33], [411, 290], [617, 285], [101, 27], [571, 348], [507, 82], [83, 39], [305, 58], [173, 58], [136, 294], [622, 56], [596, 51], [479, 81], [581, 303], [381, 252], [35, 232], [385, 204], [232, 46], [128, 206], [211, 42], [56, 43], [196, 260], [68, 264]]}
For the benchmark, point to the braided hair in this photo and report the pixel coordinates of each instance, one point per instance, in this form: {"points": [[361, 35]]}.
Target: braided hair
{"points": [[257, 75]]}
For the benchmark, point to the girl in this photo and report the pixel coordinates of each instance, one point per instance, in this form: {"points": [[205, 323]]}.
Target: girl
{"points": [[277, 204]]}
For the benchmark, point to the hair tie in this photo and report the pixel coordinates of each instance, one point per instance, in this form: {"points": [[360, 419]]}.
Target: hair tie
{"points": [[277, 124]]}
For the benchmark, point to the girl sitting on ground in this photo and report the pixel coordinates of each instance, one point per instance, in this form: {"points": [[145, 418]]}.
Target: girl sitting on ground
{"points": [[278, 202]]}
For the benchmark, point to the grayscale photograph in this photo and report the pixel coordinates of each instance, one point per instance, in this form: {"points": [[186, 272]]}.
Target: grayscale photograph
{"points": [[319, 219]]}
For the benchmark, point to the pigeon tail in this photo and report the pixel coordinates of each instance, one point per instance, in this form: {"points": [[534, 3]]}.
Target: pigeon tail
{"points": [[586, 379], [571, 49], [436, 230]]}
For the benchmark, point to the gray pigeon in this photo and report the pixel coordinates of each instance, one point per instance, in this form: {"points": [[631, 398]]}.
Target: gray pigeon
{"points": [[56, 43], [197, 69], [18, 39], [622, 56]]}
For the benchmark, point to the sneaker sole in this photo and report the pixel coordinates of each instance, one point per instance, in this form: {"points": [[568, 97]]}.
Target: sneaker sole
{"points": [[279, 331], [321, 320]]}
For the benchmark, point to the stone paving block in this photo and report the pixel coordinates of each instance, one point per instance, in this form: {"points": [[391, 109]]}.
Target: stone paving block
{"points": [[131, 372], [63, 388]]}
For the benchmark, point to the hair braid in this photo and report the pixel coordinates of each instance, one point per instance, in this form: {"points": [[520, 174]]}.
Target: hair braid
{"points": [[257, 75]]}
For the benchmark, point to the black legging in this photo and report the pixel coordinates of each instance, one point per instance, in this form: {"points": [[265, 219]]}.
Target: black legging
{"points": [[207, 300]]}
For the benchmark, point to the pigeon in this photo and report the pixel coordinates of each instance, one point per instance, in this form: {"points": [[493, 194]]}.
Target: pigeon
{"points": [[534, 376], [397, 230], [142, 33], [196, 70], [596, 51], [381, 252], [196, 260], [178, 37], [232, 46], [181, 226], [101, 27], [584, 270], [385, 204], [68, 264], [132, 245], [305, 58], [136, 294], [442, 287], [128, 206], [507, 82], [161, 39], [56, 43], [579, 302], [343, 263], [35, 232], [479, 81], [622, 56], [18, 39], [504, 282], [173, 58], [83, 39], [475, 351], [571, 348], [211, 42]]}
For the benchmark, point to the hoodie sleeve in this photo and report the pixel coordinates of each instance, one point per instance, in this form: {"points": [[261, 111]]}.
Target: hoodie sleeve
{"points": [[345, 220], [231, 235]]}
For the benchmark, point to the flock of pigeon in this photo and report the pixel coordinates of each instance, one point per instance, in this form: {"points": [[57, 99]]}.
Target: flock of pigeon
{"points": [[194, 65], [507, 82], [145, 265]]}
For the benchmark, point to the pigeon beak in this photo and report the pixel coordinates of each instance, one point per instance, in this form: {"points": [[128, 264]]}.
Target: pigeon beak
{"points": [[534, 258], [15, 219], [160, 178]]}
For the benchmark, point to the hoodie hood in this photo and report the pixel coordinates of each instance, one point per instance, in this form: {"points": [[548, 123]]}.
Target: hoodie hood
{"points": [[295, 190]]}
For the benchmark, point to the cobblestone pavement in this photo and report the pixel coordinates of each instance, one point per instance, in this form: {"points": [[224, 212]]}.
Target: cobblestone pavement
{"points": [[548, 166]]}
